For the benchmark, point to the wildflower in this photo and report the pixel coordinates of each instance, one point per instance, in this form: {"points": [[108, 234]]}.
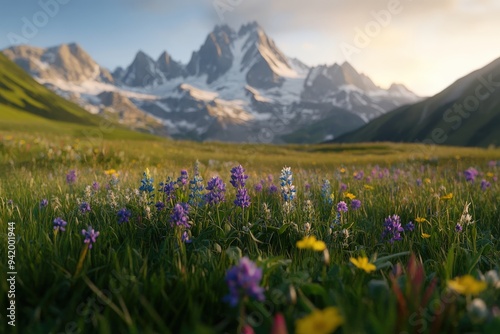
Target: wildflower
{"points": [[123, 215], [426, 236], [343, 187], [485, 185], [287, 188], [43, 203], [427, 180], [458, 228], [71, 177], [326, 190], [311, 243], [59, 224], [244, 280], [238, 180], [147, 182], [95, 186], [183, 179], [447, 196], [185, 238], [492, 163], [477, 309], [355, 204], [368, 187], [420, 220], [320, 322], [160, 205], [409, 227], [467, 285], [238, 177], [216, 191], [272, 189], [90, 236], [84, 207], [242, 198], [363, 263], [111, 172], [419, 182], [349, 196], [466, 218], [392, 228], [196, 188], [258, 187], [179, 215], [470, 174], [168, 187], [342, 207], [279, 325], [358, 175]]}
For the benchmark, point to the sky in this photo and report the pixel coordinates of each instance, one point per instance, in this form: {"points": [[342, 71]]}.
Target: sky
{"points": [[424, 44]]}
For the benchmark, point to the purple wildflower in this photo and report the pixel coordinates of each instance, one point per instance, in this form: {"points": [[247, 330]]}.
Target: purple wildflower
{"points": [[492, 163], [458, 228], [84, 207], [355, 204], [409, 227], [470, 174], [244, 280], [343, 187], [185, 238], [392, 228], [216, 191], [43, 203], [258, 187], [160, 205], [242, 199], [419, 182], [95, 186], [272, 189], [183, 179], [169, 189], [179, 215], [342, 207], [359, 175], [71, 177], [485, 185], [238, 177], [90, 236], [59, 224], [123, 216]]}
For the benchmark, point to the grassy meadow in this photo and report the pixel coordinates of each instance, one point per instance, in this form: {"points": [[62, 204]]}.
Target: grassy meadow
{"points": [[165, 268]]}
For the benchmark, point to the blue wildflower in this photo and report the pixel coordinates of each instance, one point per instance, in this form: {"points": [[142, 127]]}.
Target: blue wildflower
{"points": [[179, 216], [123, 215], [392, 228], [59, 224]]}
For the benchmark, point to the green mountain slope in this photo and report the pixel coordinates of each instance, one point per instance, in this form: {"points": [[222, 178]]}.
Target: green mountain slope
{"points": [[27, 105], [467, 113]]}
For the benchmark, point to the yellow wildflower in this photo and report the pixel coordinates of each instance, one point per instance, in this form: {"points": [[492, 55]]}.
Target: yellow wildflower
{"points": [[447, 196], [420, 220], [320, 322], [467, 285], [490, 174], [110, 172], [363, 263], [311, 243], [426, 236], [342, 170], [367, 187], [350, 196], [427, 180]]}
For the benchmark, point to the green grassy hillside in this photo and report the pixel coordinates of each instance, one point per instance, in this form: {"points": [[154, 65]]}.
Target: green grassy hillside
{"points": [[467, 113], [28, 106]]}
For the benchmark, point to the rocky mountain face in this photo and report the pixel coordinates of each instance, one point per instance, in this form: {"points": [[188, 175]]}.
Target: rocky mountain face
{"points": [[467, 113], [237, 87]]}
